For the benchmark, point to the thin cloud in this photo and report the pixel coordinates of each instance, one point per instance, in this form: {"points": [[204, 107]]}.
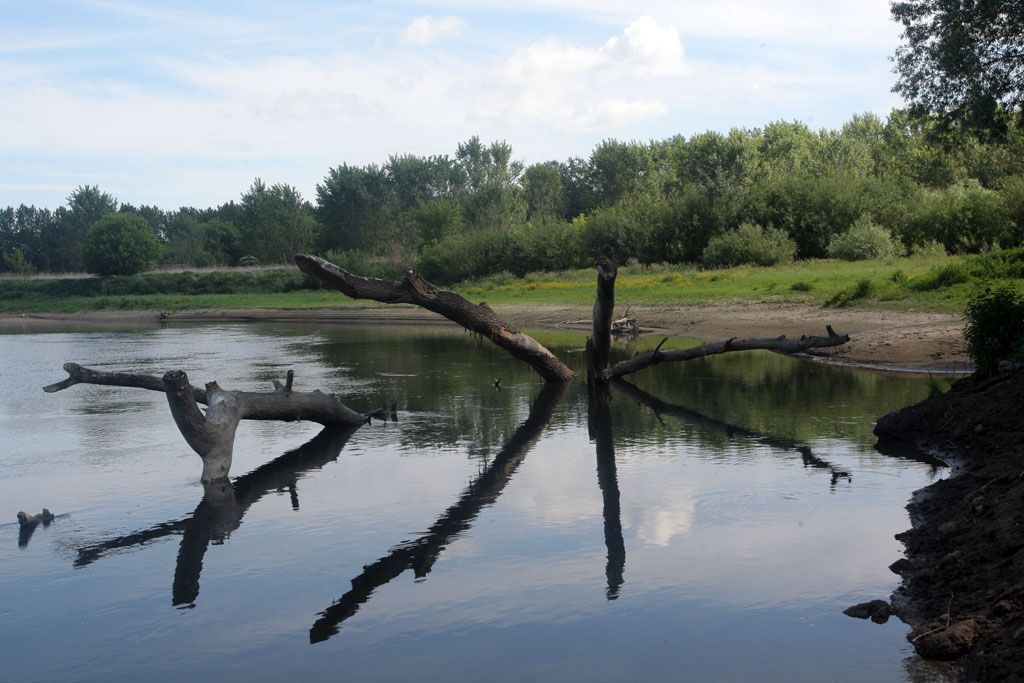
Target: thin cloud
{"points": [[426, 30]]}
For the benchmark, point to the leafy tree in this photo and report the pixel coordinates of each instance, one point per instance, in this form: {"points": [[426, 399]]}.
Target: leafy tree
{"points": [[351, 204], [276, 222], [86, 205], [961, 59], [542, 184], [119, 244], [618, 169]]}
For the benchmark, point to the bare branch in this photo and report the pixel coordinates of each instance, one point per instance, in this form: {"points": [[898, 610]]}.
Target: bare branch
{"points": [[413, 289], [779, 344]]}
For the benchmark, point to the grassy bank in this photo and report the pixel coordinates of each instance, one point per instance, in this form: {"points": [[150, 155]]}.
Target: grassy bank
{"points": [[932, 284]]}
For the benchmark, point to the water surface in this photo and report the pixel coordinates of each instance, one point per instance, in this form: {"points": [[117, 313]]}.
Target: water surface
{"points": [[710, 523]]}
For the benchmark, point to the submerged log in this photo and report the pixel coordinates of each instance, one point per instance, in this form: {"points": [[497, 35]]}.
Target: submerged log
{"points": [[413, 289], [212, 435]]}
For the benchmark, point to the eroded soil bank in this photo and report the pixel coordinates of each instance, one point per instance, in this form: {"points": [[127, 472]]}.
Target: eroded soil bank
{"points": [[963, 577], [894, 340]]}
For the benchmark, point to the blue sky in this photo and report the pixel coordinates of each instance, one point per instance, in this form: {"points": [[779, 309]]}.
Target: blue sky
{"points": [[185, 103]]}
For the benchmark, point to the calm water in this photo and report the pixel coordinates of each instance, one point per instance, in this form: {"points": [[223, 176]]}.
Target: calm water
{"points": [[485, 535]]}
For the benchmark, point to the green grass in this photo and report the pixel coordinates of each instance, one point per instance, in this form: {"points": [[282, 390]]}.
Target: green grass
{"points": [[804, 282], [942, 283]]}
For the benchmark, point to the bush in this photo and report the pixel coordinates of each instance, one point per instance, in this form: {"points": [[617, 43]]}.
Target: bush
{"points": [[365, 264], [995, 327], [928, 249], [749, 244], [119, 244], [864, 240]]}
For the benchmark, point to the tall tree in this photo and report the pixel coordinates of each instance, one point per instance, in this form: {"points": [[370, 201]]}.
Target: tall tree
{"points": [[962, 60]]}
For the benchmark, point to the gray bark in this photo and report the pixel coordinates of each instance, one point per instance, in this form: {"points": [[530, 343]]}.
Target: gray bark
{"points": [[212, 435], [413, 289]]}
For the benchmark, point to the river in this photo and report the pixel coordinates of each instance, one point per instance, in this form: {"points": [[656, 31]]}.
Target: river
{"points": [[710, 525]]}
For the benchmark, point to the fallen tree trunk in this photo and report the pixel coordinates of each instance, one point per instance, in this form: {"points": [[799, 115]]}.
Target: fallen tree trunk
{"points": [[212, 435], [413, 289], [779, 344]]}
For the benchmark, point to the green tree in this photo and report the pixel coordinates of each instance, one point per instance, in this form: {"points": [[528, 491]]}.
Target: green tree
{"points": [[962, 60], [542, 184], [276, 222], [86, 205], [119, 244]]}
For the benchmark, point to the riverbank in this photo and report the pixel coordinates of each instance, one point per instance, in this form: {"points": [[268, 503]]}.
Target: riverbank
{"points": [[892, 340], [962, 590]]}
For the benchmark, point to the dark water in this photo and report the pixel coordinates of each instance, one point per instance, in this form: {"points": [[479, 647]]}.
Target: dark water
{"points": [[487, 535]]}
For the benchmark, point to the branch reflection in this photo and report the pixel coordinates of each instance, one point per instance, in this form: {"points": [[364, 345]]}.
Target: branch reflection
{"points": [[222, 508], [730, 430], [599, 425], [420, 554]]}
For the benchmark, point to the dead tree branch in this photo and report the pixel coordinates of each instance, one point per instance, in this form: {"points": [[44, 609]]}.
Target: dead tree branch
{"points": [[780, 344], [413, 289], [212, 435]]}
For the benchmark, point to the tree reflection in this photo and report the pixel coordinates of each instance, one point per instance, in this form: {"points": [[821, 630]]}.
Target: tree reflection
{"points": [[730, 430], [420, 554], [599, 425], [222, 508]]}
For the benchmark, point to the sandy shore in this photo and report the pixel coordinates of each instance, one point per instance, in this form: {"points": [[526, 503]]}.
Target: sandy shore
{"points": [[895, 340]]}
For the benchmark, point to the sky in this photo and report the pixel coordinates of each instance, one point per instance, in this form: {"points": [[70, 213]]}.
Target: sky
{"points": [[185, 103]]}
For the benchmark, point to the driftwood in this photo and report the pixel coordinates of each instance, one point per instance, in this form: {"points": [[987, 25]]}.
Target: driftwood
{"points": [[413, 289], [420, 555], [212, 435], [778, 344]]}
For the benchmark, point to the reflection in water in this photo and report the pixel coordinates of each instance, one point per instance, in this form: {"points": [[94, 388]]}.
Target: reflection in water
{"points": [[729, 430], [599, 425], [420, 555], [221, 510]]}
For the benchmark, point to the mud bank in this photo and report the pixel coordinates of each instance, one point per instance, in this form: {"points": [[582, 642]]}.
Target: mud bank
{"points": [[886, 340], [963, 575]]}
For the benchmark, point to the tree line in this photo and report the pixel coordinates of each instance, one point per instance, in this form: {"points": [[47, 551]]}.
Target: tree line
{"points": [[481, 211]]}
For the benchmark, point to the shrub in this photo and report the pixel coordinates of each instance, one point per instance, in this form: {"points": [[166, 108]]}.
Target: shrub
{"points": [[801, 286], [365, 264], [928, 249], [248, 262], [749, 244], [119, 244], [865, 239], [995, 327]]}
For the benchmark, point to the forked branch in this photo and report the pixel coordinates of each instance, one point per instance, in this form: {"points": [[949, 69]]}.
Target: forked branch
{"points": [[212, 435]]}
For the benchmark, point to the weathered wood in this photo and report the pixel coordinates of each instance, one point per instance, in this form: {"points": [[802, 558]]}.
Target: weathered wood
{"points": [[413, 289], [604, 306], [780, 344], [212, 435]]}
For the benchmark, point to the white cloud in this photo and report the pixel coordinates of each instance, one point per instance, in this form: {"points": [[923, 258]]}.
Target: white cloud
{"points": [[426, 30], [575, 88]]}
